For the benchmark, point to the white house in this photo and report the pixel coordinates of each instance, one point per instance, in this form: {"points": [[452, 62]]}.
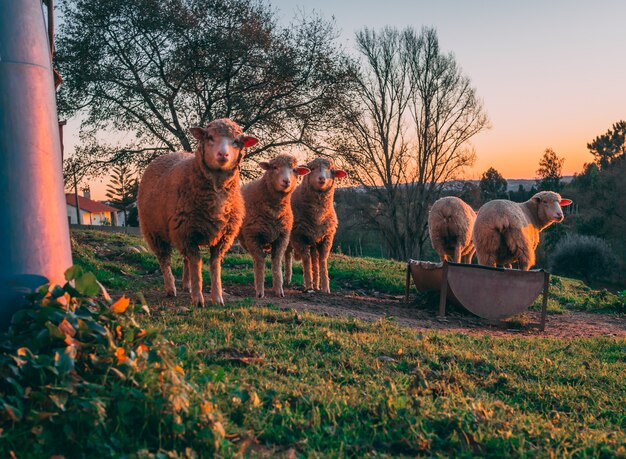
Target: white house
{"points": [[91, 212]]}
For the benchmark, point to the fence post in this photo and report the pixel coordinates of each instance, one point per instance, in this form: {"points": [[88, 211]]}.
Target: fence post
{"points": [[34, 234]]}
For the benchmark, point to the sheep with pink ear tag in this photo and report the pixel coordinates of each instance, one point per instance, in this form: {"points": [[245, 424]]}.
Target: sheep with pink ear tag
{"points": [[269, 218], [315, 224], [506, 232], [186, 201]]}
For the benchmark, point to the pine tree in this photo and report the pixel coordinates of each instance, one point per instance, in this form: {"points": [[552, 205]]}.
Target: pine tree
{"points": [[122, 190]]}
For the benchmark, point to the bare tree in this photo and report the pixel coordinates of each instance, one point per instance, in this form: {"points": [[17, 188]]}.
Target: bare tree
{"points": [[407, 132]]}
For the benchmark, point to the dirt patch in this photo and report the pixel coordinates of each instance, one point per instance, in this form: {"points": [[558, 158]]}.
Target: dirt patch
{"points": [[360, 305]]}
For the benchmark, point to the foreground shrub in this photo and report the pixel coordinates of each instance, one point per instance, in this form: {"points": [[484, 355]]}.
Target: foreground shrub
{"points": [[585, 257], [83, 379]]}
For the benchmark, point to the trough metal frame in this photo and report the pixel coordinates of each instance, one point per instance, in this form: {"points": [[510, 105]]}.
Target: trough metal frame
{"points": [[444, 292]]}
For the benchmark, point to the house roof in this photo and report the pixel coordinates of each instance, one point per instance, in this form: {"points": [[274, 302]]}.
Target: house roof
{"points": [[87, 204]]}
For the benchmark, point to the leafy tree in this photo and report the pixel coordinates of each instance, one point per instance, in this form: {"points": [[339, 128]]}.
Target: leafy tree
{"points": [[588, 178], [522, 194], [470, 193], [154, 69], [611, 146], [122, 190], [549, 172], [406, 131], [492, 185]]}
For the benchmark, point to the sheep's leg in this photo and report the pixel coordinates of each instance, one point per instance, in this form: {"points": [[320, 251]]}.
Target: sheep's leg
{"points": [[305, 252], [163, 252], [288, 264], [186, 278], [525, 262], [278, 252], [324, 252], [457, 253], [168, 277], [315, 266], [518, 246], [468, 257], [486, 259], [216, 275], [258, 257], [438, 245], [195, 275]]}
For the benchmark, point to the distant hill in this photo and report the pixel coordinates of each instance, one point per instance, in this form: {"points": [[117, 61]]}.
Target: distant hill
{"points": [[527, 184], [512, 184]]}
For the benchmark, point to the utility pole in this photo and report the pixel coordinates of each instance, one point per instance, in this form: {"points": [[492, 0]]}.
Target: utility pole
{"points": [[34, 234]]}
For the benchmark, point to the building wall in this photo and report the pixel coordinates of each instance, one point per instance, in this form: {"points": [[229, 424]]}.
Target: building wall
{"points": [[97, 219], [71, 213]]}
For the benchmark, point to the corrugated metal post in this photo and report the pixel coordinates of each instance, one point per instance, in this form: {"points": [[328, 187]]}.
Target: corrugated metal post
{"points": [[34, 234]]}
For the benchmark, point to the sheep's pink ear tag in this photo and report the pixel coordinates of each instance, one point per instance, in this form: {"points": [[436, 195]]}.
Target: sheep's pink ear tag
{"points": [[565, 202], [339, 173], [302, 170], [249, 141]]}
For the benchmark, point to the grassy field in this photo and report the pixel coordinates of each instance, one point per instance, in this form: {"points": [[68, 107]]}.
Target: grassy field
{"points": [[296, 384]]}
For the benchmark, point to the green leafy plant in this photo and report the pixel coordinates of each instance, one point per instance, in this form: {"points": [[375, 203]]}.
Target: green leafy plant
{"points": [[585, 257], [81, 377]]}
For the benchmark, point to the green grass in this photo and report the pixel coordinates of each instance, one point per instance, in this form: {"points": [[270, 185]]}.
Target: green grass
{"points": [[106, 256], [314, 386], [334, 387]]}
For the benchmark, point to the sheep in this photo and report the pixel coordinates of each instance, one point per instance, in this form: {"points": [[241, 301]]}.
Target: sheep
{"points": [[269, 218], [450, 224], [188, 200], [315, 224], [506, 231]]}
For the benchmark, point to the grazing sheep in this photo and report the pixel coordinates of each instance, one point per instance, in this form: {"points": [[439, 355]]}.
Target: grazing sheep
{"points": [[190, 200], [450, 224], [507, 231], [269, 218], [315, 224]]}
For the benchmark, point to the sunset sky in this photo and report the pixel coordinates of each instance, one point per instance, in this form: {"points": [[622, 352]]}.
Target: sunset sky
{"points": [[551, 73]]}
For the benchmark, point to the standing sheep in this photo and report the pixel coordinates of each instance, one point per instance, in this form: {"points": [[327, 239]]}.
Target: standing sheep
{"points": [[269, 218], [315, 224], [190, 200], [507, 231], [450, 223]]}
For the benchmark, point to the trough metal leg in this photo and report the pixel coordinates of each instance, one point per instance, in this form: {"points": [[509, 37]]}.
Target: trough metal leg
{"points": [[408, 282], [544, 303], [443, 291]]}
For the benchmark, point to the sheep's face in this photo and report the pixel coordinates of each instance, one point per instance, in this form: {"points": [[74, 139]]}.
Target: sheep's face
{"points": [[282, 173], [549, 206], [323, 174], [221, 149]]}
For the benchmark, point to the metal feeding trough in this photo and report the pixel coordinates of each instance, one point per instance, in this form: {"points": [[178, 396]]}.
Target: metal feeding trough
{"points": [[490, 293]]}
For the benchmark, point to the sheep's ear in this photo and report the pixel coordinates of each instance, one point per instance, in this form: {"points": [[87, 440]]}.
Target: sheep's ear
{"points": [[248, 141], [339, 173], [301, 170], [264, 165], [565, 202], [198, 133]]}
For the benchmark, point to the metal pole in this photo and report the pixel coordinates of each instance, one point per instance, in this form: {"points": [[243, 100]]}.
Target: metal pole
{"points": [[34, 234]]}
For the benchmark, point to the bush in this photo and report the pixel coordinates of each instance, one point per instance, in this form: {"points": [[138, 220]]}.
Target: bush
{"points": [[82, 378], [585, 257]]}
